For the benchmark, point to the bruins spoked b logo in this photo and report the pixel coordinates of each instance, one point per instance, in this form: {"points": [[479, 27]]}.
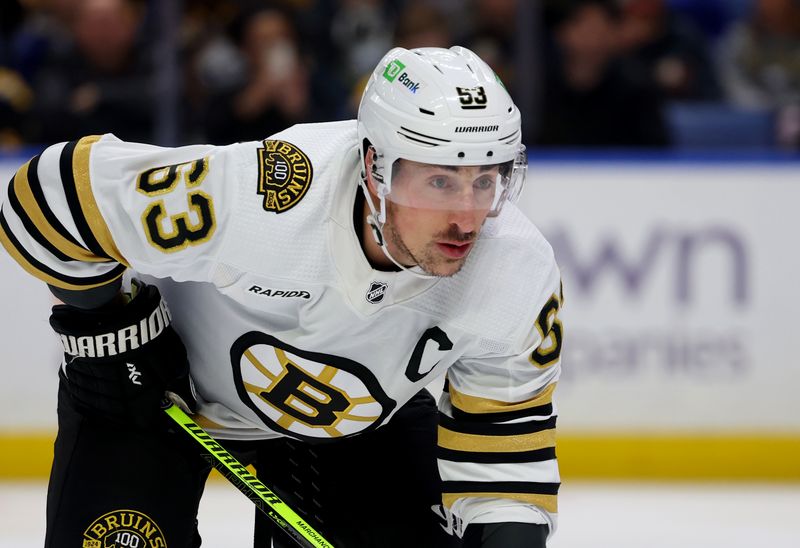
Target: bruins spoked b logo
{"points": [[284, 175], [123, 529], [306, 395]]}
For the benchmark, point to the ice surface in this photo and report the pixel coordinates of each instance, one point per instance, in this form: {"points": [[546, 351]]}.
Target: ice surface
{"points": [[596, 515]]}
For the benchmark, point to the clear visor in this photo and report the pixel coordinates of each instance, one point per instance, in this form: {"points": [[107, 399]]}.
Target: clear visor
{"points": [[454, 188]]}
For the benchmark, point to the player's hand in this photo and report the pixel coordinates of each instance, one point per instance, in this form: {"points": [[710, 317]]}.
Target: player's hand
{"points": [[505, 535], [120, 359]]}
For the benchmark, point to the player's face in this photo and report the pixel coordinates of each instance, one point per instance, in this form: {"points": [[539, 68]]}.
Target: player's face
{"points": [[434, 213]]}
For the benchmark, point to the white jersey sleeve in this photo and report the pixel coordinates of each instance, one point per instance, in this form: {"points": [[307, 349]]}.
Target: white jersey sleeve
{"points": [[497, 425], [79, 213]]}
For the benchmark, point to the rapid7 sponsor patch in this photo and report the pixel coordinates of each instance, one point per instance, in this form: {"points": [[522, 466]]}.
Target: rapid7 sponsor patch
{"points": [[285, 293]]}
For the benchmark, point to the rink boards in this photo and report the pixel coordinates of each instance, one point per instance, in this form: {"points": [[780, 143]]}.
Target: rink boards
{"points": [[681, 290]]}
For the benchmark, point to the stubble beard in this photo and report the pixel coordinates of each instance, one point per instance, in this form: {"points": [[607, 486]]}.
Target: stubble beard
{"points": [[426, 259]]}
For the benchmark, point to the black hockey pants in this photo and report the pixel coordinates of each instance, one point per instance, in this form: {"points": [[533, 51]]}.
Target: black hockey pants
{"points": [[110, 484]]}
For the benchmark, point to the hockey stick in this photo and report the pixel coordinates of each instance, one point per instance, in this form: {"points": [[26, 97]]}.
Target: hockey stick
{"points": [[235, 472]]}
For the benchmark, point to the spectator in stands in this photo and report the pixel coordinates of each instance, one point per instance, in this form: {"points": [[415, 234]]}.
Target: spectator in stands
{"points": [[102, 82], [361, 31], [672, 48], [593, 97], [16, 95], [711, 17], [492, 36], [15, 101], [12, 17], [761, 64], [422, 25], [35, 29], [274, 90]]}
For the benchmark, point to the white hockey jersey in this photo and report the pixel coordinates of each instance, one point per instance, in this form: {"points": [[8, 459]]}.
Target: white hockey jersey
{"points": [[289, 330]]}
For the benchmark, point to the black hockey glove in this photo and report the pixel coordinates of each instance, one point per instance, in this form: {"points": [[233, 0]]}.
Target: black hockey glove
{"points": [[119, 360], [505, 535]]}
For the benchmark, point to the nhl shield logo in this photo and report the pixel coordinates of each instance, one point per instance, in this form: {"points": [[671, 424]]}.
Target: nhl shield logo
{"points": [[376, 292], [284, 175]]}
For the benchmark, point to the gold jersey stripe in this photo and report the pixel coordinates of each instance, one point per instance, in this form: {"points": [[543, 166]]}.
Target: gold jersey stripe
{"points": [[24, 194], [205, 422], [547, 502], [35, 272], [91, 212], [474, 404], [260, 367], [496, 444]]}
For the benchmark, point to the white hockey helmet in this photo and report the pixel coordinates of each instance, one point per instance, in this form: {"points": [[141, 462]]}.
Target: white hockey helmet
{"points": [[444, 107]]}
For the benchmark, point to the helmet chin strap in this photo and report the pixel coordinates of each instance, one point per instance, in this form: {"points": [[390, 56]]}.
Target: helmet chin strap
{"points": [[376, 222]]}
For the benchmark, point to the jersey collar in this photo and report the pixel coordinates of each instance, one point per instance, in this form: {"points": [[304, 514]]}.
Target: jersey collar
{"points": [[367, 289]]}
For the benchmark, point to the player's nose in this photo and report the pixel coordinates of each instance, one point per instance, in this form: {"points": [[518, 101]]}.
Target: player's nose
{"points": [[463, 219]]}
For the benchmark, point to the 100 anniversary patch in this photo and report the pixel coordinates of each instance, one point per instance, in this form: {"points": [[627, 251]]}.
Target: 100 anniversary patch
{"points": [[123, 528], [284, 175]]}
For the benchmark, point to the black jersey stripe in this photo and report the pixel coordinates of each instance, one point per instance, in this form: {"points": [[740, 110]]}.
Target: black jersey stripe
{"points": [[38, 195], [494, 429], [68, 181], [47, 221], [44, 272], [538, 411], [28, 192], [537, 455], [30, 227], [530, 487]]}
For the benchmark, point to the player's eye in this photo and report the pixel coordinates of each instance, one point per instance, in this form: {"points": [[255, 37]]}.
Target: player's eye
{"points": [[484, 183], [440, 183]]}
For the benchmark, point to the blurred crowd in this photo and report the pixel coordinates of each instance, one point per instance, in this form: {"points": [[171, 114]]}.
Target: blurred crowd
{"points": [[586, 73]]}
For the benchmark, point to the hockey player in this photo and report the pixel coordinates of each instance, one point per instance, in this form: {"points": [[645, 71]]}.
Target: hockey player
{"points": [[318, 279]]}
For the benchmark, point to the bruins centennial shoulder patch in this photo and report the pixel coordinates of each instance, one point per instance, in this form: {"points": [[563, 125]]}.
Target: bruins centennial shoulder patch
{"points": [[123, 528], [284, 175]]}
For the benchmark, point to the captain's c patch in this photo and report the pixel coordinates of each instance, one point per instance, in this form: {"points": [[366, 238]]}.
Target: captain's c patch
{"points": [[123, 528], [284, 175]]}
